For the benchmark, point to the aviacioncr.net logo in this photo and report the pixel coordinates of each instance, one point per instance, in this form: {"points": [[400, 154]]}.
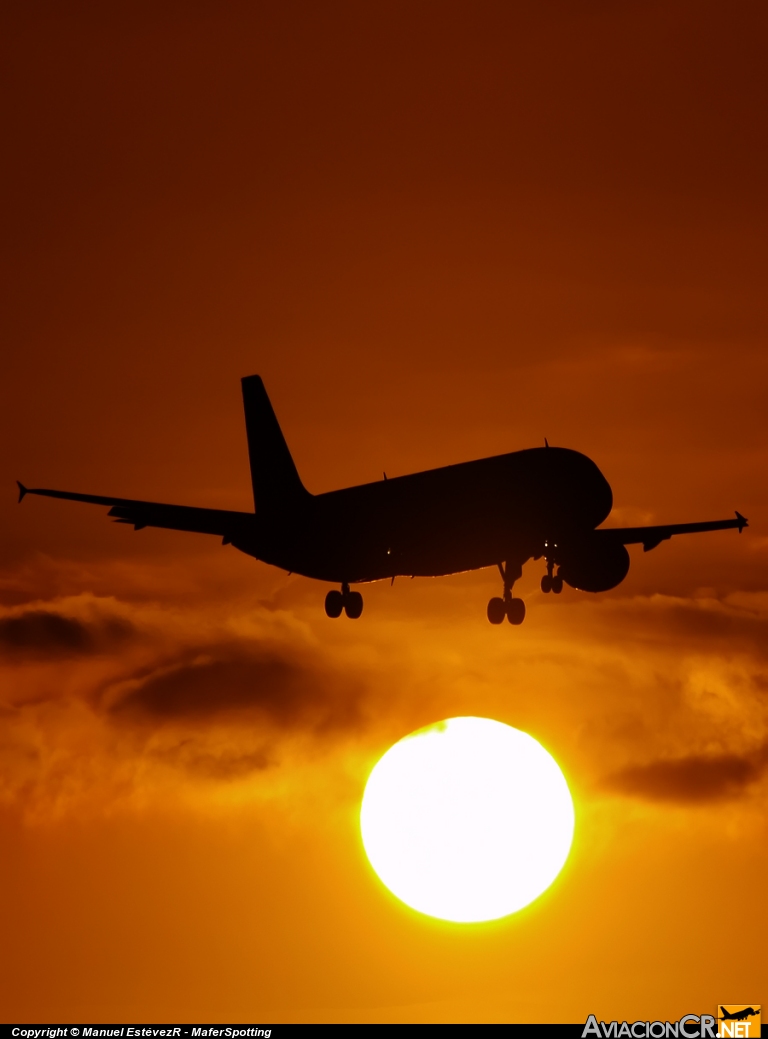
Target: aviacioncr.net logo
{"points": [[688, 1027]]}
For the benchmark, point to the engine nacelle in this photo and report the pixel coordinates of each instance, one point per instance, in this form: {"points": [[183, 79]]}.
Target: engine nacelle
{"points": [[594, 565]]}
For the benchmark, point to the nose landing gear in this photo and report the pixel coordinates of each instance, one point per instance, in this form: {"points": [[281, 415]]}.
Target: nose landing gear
{"points": [[512, 609], [550, 583], [350, 602]]}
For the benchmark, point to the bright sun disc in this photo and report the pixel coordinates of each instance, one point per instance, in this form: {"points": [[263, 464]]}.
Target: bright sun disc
{"points": [[467, 820]]}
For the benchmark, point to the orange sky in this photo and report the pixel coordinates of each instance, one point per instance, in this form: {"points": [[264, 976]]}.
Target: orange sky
{"points": [[439, 231]]}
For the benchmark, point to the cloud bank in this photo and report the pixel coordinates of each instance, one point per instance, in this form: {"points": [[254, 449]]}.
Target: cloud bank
{"points": [[696, 779], [47, 634]]}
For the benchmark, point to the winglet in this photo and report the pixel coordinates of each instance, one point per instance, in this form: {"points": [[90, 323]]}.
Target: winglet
{"points": [[23, 491], [743, 522]]}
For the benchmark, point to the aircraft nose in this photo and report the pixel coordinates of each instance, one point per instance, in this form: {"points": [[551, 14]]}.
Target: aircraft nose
{"points": [[588, 489], [603, 497]]}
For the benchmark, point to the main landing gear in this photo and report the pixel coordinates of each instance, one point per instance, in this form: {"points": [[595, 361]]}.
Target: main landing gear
{"points": [[350, 602], [512, 609]]}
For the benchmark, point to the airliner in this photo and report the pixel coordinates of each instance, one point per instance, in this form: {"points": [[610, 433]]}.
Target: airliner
{"points": [[543, 503]]}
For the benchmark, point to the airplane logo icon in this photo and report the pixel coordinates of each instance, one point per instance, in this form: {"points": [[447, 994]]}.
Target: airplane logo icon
{"points": [[738, 1021], [739, 1015]]}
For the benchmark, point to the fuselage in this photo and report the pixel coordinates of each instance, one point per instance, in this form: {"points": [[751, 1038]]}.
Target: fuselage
{"points": [[442, 521]]}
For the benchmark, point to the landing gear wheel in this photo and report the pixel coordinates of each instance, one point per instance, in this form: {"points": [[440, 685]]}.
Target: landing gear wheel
{"points": [[547, 583], [334, 603], [353, 605], [496, 610], [515, 611], [557, 585]]}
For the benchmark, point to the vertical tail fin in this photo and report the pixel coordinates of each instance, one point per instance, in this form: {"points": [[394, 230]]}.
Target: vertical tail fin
{"points": [[276, 483]]}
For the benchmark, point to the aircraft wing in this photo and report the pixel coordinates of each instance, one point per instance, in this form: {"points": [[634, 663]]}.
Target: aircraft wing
{"points": [[155, 514], [650, 537]]}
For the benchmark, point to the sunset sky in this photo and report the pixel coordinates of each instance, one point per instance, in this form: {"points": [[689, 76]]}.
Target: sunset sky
{"points": [[439, 231]]}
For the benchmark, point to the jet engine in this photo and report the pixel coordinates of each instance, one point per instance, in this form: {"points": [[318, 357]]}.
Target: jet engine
{"points": [[594, 565]]}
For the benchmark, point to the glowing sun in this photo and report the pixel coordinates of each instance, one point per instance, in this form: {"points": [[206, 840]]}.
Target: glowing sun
{"points": [[467, 820]]}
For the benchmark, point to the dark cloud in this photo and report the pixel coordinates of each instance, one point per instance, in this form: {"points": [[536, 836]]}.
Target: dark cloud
{"points": [[41, 634], [725, 626], [720, 627], [287, 692], [692, 779], [220, 765]]}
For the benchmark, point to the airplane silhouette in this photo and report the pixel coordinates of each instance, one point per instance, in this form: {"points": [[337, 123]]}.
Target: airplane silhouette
{"points": [[739, 1015], [540, 503]]}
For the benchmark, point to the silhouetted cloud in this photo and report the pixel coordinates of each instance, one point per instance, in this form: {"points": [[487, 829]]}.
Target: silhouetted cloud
{"points": [[41, 633], [285, 690], [716, 625], [708, 624], [691, 779], [222, 764]]}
